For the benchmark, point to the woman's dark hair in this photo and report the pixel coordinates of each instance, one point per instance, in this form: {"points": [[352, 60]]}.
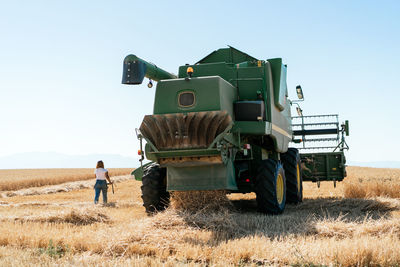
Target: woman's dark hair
{"points": [[100, 164]]}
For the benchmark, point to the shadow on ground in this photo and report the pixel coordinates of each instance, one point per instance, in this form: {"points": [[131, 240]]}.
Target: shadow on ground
{"points": [[243, 220], [353, 210]]}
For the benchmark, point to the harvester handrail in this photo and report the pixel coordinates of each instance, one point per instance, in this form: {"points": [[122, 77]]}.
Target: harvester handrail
{"points": [[314, 116], [316, 124], [318, 147], [320, 139]]}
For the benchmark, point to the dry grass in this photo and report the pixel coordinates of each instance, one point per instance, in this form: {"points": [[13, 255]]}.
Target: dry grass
{"points": [[326, 229], [25, 178], [372, 182], [30, 257], [200, 201], [74, 216], [64, 187]]}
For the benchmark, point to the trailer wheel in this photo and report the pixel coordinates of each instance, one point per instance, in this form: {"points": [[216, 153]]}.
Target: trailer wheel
{"points": [[270, 187], [294, 179], [154, 188]]}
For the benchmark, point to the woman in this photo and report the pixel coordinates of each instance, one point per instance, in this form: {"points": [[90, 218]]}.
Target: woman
{"points": [[102, 177]]}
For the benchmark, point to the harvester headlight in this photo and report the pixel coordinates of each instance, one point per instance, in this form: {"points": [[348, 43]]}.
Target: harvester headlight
{"points": [[150, 84]]}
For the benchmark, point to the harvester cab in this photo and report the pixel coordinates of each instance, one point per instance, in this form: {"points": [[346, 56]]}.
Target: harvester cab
{"points": [[224, 123]]}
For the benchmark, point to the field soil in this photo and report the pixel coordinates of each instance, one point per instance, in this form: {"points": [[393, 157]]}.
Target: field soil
{"points": [[355, 224]]}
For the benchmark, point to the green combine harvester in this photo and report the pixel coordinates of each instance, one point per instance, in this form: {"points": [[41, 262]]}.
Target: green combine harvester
{"points": [[224, 123]]}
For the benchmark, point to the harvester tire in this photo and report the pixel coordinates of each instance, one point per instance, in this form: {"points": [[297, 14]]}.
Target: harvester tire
{"points": [[294, 179], [270, 187], [154, 189]]}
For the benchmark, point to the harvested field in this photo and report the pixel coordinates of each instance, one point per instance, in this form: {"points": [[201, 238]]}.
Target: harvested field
{"points": [[64, 187], [24, 178], [331, 227], [372, 182]]}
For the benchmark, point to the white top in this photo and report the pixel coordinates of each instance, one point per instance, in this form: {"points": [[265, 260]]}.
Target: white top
{"points": [[100, 173]]}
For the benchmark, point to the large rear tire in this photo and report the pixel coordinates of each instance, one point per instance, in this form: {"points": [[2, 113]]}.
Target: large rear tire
{"points": [[270, 187], [154, 188], [294, 179]]}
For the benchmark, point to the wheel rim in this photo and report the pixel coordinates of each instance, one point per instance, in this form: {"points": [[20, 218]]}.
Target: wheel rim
{"points": [[298, 178], [279, 188]]}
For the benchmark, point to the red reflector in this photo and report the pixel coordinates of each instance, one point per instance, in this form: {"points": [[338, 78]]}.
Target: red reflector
{"points": [[247, 180]]}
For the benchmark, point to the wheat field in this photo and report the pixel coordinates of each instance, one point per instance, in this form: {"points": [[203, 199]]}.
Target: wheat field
{"points": [[25, 178], [355, 224]]}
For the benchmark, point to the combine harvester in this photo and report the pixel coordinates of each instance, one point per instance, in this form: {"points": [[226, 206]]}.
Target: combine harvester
{"points": [[225, 123]]}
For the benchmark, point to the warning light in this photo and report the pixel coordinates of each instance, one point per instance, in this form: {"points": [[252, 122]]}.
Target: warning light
{"points": [[189, 71], [139, 152], [247, 180]]}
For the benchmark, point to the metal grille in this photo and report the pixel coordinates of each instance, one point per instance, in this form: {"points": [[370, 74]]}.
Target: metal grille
{"points": [[181, 131], [318, 133]]}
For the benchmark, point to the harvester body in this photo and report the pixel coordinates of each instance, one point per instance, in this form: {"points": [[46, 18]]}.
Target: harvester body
{"points": [[225, 123]]}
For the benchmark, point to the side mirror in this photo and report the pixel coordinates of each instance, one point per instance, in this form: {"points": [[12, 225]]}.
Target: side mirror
{"points": [[299, 92]]}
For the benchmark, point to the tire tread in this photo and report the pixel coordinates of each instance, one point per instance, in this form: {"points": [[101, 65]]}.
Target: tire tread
{"points": [[154, 192], [290, 160], [266, 188]]}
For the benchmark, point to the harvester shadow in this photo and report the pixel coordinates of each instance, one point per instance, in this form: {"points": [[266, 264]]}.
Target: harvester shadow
{"points": [[243, 220], [350, 209]]}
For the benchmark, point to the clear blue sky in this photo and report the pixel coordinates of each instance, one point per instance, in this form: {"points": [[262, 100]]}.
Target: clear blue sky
{"points": [[61, 64]]}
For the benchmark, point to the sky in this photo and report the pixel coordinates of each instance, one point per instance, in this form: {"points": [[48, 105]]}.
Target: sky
{"points": [[61, 65]]}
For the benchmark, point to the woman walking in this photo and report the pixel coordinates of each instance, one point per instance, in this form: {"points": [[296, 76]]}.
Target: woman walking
{"points": [[101, 182]]}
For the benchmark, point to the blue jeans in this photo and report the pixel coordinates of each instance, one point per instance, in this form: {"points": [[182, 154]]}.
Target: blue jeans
{"points": [[101, 185]]}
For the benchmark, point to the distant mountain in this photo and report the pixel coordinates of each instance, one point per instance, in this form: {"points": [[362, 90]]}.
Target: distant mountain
{"points": [[375, 164], [34, 160]]}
